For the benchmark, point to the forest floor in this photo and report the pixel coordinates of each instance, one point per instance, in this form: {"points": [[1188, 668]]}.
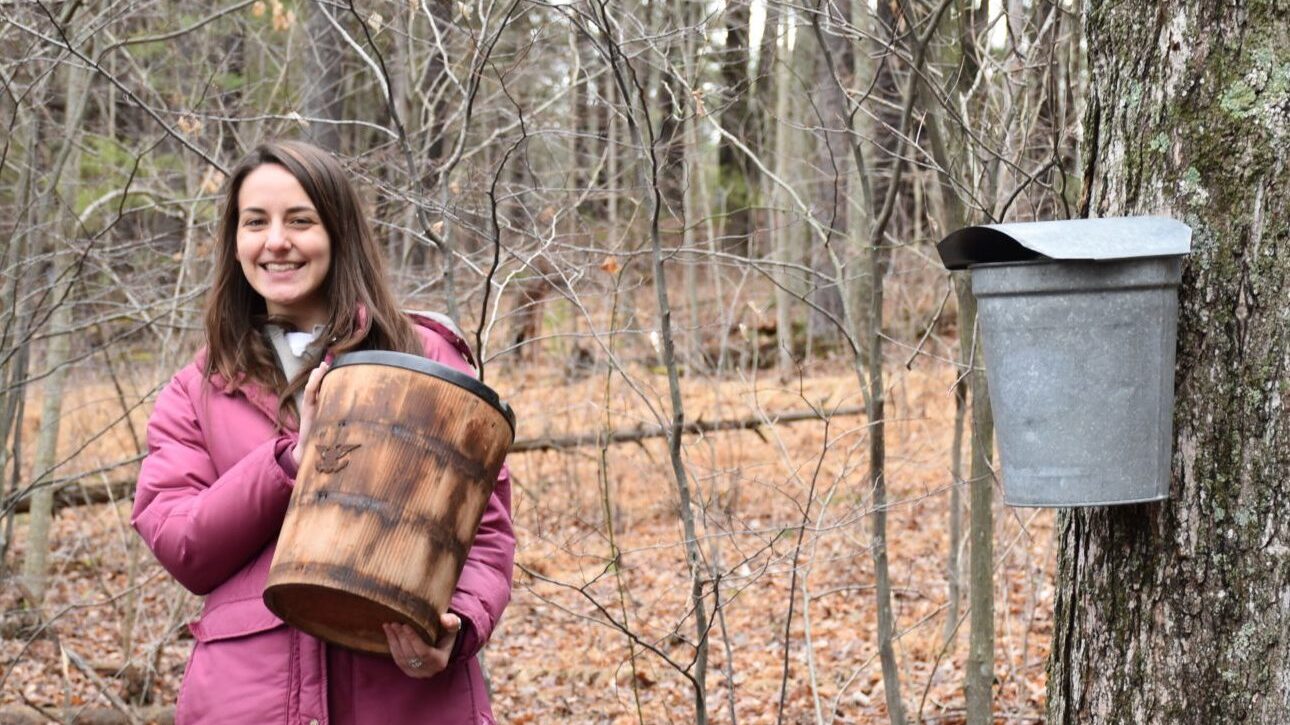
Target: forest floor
{"points": [[784, 526]]}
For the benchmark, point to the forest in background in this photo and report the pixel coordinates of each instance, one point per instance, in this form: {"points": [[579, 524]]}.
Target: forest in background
{"points": [[671, 229]]}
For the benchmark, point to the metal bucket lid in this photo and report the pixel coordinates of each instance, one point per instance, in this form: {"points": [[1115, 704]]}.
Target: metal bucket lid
{"points": [[1105, 239], [416, 363]]}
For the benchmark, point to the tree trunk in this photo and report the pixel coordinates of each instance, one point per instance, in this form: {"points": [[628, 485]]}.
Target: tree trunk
{"points": [[1177, 611], [693, 196], [323, 92], [978, 681], [15, 343], [64, 177], [951, 153], [41, 517], [734, 170], [668, 88], [833, 158], [784, 238]]}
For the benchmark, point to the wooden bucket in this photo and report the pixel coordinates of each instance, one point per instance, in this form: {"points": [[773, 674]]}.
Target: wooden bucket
{"points": [[392, 486]]}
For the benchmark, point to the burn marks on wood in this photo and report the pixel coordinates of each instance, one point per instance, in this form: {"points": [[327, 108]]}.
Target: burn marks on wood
{"points": [[444, 452], [437, 529], [390, 498]]}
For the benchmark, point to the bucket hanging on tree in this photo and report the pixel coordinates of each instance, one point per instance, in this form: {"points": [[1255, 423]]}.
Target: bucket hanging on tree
{"points": [[1078, 322]]}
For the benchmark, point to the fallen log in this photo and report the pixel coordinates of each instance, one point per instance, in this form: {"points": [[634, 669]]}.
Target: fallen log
{"points": [[642, 432], [79, 494]]}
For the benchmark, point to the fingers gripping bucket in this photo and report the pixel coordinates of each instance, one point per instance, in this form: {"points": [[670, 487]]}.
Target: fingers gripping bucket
{"points": [[391, 490], [1080, 359]]}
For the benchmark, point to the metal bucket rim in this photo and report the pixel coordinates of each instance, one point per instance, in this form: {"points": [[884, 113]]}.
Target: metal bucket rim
{"points": [[1157, 498], [1073, 262], [429, 367], [1076, 277]]}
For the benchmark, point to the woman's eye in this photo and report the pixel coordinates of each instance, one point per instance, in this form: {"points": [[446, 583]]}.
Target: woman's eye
{"points": [[252, 222], [302, 222]]}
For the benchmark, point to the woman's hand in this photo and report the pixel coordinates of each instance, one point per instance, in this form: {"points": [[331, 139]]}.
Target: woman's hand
{"points": [[414, 656], [308, 409]]}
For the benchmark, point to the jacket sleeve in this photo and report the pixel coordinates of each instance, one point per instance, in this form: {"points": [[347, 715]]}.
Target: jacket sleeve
{"points": [[484, 588], [201, 526]]}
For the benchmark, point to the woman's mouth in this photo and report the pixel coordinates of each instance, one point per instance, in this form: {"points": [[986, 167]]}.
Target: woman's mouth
{"points": [[281, 266]]}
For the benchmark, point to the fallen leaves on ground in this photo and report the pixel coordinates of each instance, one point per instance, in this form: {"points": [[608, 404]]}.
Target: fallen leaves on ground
{"points": [[602, 627]]}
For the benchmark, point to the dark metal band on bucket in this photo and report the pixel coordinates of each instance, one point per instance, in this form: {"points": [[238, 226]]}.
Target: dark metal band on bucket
{"points": [[429, 367]]}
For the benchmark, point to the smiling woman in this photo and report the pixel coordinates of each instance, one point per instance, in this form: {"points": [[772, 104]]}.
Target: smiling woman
{"points": [[298, 279], [283, 247]]}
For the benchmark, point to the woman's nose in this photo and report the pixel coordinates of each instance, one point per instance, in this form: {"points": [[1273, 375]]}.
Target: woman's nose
{"points": [[277, 237]]}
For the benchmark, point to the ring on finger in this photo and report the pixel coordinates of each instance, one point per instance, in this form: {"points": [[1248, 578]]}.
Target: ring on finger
{"points": [[415, 663]]}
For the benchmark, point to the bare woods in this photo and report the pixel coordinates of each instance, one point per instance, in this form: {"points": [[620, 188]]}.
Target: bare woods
{"points": [[692, 244]]}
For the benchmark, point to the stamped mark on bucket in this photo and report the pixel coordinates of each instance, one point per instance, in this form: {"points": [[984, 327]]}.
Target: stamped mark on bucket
{"points": [[333, 458]]}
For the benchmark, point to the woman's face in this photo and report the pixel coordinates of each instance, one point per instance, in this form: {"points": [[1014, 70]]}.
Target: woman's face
{"points": [[282, 246]]}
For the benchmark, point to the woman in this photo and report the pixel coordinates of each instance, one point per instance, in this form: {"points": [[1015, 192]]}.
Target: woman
{"points": [[298, 279]]}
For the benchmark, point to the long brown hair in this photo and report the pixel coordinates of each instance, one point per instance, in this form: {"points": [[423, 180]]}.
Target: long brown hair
{"points": [[236, 313]]}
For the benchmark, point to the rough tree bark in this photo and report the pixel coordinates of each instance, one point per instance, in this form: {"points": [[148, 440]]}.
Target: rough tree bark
{"points": [[1177, 611]]}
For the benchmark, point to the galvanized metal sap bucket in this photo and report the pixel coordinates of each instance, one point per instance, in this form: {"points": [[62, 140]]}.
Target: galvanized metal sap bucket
{"points": [[1078, 322]]}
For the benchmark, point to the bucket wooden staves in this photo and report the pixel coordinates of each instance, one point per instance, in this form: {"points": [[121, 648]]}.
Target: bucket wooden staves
{"points": [[391, 489]]}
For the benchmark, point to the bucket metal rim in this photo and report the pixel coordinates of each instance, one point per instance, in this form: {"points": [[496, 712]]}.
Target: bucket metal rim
{"points": [[419, 364], [1073, 262], [1082, 504], [1078, 277]]}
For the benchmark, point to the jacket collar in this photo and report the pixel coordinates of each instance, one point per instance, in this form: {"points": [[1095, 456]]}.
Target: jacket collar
{"points": [[259, 396], [264, 400]]}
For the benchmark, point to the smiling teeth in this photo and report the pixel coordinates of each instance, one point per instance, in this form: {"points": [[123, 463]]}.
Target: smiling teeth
{"points": [[281, 267]]}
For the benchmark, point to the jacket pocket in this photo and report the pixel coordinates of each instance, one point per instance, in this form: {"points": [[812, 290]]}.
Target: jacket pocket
{"points": [[240, 670], [234, 618]]}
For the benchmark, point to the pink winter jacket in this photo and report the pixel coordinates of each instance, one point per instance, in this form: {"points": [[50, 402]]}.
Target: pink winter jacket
{"points": [[212, 495]]}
